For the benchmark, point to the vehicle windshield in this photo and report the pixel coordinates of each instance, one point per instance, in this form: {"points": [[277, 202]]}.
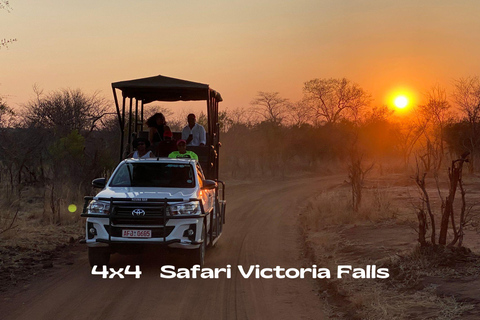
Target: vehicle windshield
{"points": [[159, 175]]}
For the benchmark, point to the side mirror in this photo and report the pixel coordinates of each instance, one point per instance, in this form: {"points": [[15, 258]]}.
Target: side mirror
{"points": [[99, 183], [209, 184]]}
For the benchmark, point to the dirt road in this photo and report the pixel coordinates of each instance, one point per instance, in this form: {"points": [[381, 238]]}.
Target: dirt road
{"points": [[261, 229]]}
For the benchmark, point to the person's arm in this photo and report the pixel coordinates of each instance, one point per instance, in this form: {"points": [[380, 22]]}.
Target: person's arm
{"points": [[172, 155], [185, 133], [203, 136], [193, 155], [150, 134]]}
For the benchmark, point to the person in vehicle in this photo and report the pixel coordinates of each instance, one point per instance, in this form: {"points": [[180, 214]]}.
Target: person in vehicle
{"points": [[183, 152], [157, 126], [141, 145], [167, 146], [194, 133]]}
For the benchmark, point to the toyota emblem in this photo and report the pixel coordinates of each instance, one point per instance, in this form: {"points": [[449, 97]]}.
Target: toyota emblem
{"points": [[138, 212]]}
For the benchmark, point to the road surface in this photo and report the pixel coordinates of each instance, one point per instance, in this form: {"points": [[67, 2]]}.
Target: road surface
{"points": [[261, 229]]}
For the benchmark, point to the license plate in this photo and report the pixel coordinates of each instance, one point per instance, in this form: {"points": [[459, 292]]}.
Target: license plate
{"points": [[136, 233]]}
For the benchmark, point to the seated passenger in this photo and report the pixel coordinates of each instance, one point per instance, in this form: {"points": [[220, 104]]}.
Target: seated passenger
{"points": [[167, 146], [194, 133], [182, 151], [141, 145], [157, 126]]}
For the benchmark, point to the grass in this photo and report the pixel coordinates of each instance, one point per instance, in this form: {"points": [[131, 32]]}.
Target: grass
{"points": [[334, 207], [376, 301], [31, 236], [410, 292]]}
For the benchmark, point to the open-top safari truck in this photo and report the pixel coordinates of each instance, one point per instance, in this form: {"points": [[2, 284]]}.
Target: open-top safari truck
{"points": [[139, 92], [175, 202]]}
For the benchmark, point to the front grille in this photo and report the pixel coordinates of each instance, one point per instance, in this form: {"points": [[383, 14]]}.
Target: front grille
{"points": [[149, 210], [157, 232], [122, 214]]}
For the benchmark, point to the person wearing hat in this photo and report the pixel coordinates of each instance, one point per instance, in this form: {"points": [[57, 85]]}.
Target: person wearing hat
{"points": [[166, 146], [141, 145], [183, 152]]}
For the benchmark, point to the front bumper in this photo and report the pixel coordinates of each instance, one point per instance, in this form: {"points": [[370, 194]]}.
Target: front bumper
{"points": [[180, 231]]}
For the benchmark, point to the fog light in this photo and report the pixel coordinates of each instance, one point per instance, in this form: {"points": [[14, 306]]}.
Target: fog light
{"points": [[190, 232], [91, 231]]}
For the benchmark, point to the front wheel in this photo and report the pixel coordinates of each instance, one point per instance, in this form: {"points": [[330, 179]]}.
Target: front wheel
{"points": [[197, 256], [98, 256]]}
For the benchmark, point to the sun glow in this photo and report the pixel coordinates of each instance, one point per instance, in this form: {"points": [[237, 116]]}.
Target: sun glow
{"points": [[401, 102], [401, 99]]}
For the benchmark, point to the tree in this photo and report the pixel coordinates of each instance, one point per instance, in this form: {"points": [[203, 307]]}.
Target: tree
{"points": [[299, 113], [409, 133], [436, 117], [357, 171], [334, 99], [66, 110], [467, 98], [6, 113], [151, 110], [425, 213], [270, 106], [4, 4], [241, 116]]}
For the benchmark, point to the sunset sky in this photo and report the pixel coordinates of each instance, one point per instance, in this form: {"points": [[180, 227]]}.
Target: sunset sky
{"points": [[238, 47]]}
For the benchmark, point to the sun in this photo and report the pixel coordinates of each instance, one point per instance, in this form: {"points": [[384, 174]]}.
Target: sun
{"points": [[401, 102], [402, 99]]}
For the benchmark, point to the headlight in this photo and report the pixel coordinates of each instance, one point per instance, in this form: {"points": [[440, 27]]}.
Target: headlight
{"points": [[97, 206], [184, 208]]}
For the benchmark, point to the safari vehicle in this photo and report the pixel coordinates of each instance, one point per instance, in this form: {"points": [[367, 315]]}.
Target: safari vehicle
{"points": [[179, 203]]}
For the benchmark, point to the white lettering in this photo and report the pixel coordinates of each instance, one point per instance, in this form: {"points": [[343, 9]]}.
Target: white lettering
{"points": [[303, 270], [358, 273], [183, 273], [244, 274], [264, 275], [295, 272], [343, 269], [207, 273], [278, 272], [383, 273], [229, 271], [167, 272], [195, 269], [323, 273]]}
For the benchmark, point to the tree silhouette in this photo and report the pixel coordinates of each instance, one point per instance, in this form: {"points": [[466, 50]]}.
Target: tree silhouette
{"points": [[4, 4], [270, 106], [334, 99]]}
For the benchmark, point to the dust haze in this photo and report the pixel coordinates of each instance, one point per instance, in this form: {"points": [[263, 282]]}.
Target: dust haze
{"points": [[330, 179]]}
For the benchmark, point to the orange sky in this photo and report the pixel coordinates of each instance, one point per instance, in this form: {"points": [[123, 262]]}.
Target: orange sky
{"points": [[238, 47]]}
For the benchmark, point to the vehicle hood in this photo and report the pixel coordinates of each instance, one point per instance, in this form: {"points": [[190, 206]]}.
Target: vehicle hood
{"points": [[147, 193]]}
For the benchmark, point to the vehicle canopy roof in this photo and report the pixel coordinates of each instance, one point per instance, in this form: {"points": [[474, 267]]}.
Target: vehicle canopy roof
{"points": [[161, 88]]}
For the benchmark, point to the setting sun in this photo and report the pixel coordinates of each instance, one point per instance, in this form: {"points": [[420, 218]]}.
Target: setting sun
{"points": [[401, 102], [401, 98]]}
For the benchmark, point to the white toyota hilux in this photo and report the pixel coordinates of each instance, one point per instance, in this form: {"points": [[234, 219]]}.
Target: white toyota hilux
{"points": [[153, 201]]}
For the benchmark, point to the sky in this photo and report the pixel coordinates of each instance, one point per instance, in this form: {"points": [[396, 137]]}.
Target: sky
{"points": [[239, 47]]}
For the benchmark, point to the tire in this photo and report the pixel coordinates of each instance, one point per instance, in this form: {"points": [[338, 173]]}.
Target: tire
{"points": [[219, 220], [197, 256], [98, 256]]}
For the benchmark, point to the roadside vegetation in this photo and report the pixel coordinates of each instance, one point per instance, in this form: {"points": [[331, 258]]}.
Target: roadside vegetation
{"points": [[434, 282], [53, 147]]}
